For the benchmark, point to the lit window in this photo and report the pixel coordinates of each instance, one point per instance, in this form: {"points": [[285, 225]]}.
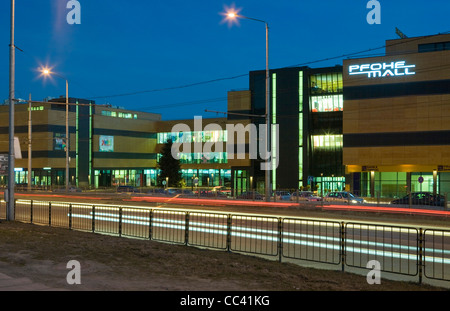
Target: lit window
{"points": [[193, 137], [327, 103], [327, 141]]}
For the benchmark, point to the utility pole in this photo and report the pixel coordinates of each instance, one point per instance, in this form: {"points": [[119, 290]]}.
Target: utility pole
{"points": [[29, 145], [11, 159], [67, 137], [268, 172]]}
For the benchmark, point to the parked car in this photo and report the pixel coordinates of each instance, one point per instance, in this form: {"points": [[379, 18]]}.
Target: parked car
{"points": [[305, 196], [173, 191], [421, 198], [209, 193], [281, 195], [250, 195], [127, 189], [343, 196], [222, 190]]}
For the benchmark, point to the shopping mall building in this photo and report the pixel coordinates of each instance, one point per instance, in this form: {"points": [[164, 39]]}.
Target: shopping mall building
{"points": [[110, 146], [376, 126], [396, 120]]}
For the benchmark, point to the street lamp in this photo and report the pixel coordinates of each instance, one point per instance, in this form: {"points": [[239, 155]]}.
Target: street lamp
{"points": [[232, 15], [12, 78], [47, 72]]}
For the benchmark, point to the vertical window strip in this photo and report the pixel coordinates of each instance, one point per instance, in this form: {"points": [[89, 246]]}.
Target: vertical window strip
{"points": [[76, 144], [300, 129], [274, 121], [90, 141]]}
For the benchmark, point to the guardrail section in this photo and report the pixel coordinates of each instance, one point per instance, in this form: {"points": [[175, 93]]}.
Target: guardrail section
{"points": [[312, 240], [436, 254], [255, 234], [401, 250], [135, 222], [169, 226], [395, 248], [208, 230]]}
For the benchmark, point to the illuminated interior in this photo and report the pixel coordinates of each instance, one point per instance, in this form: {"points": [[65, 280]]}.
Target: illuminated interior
{"points": [[192, 137], [327, 141]]}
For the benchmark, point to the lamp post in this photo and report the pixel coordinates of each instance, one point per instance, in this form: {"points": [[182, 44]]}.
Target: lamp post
{"points": [[48, 72], [29, 145], [232, 15], [11, 160]]}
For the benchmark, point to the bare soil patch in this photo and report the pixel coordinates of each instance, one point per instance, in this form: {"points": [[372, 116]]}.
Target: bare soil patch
{"points": [[110, 263]]}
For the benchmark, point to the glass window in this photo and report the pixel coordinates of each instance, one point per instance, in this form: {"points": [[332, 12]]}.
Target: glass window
{"points": [[328, 83], [327, 103], [327, 141], [188, 137]]}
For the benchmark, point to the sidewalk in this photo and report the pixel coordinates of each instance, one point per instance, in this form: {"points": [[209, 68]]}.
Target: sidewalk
{"points": [[8, 283]]}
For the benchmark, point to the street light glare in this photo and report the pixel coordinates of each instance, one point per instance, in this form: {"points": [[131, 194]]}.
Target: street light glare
{"points": [[231, 15], [45, 71]]}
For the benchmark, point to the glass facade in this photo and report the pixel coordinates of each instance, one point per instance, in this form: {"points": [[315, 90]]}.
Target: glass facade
{"points": [[148, 177], [326, 83], [201, 158], [300, 129], [115, 114], [207, 177], [326, 92], [332, 142], [274, 134], [324, 185], [385, 184], [193, 137], [396, 184], [327, 103]]}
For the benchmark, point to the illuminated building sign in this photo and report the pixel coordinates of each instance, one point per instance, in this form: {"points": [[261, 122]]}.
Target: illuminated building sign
{"points": [[106, 144], [381, 70]]}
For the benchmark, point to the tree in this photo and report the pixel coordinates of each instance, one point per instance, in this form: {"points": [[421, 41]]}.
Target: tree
{"points": [[169, 167]]}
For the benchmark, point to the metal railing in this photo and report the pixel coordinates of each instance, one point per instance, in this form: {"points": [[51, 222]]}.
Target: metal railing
{"points": [[417, 252]]}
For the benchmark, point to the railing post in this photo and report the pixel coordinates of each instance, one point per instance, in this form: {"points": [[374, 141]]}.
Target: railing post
{"points": [[31, 211], [229, 222], [93, 218], [280, 239], [150, 225], [342, 246], [50, 214], [70, 216], [420, 262], [186, 229], [120, 221]]}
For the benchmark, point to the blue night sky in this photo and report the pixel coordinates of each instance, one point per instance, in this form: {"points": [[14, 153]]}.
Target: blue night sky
{"points": [[145, 55]]}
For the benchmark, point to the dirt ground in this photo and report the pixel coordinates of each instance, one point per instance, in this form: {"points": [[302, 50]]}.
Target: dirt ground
{"points": [[110, 263]]}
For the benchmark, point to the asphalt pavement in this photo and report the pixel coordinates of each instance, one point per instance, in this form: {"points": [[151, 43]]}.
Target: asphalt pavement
{"points": [[8, 283]]}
